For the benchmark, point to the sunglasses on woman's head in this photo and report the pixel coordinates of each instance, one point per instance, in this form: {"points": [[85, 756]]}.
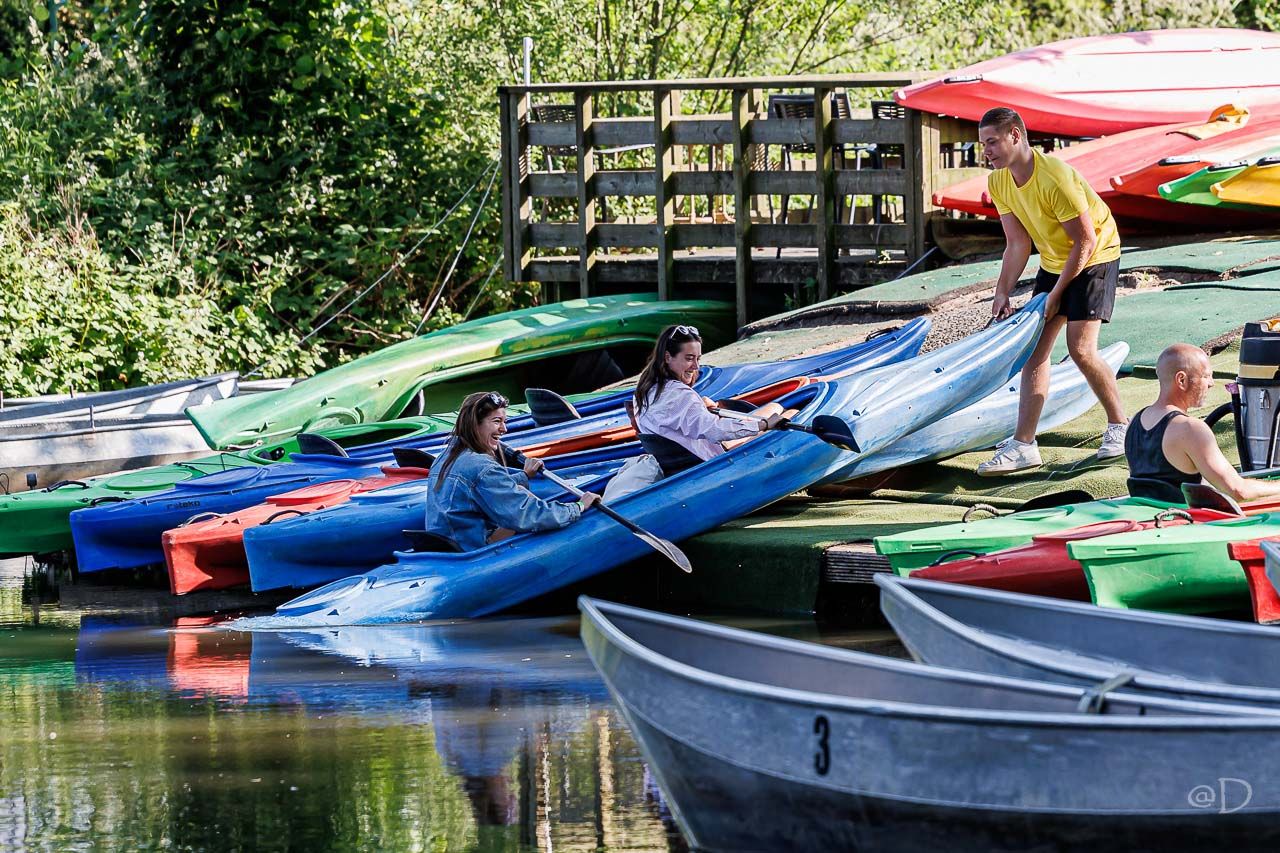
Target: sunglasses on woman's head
{"points": [[690, 331], [496, 400]]}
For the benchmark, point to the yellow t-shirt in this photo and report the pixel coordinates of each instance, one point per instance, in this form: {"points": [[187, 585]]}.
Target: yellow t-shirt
{"points": [[1055, 194]]}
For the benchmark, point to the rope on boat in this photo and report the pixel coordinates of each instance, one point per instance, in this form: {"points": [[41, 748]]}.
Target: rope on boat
{"points": [[1171, 514], [995, 513]]}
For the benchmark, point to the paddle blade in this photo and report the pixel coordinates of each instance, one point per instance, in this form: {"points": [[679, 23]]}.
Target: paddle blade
{"points": [[833, 430], [668, 550]]}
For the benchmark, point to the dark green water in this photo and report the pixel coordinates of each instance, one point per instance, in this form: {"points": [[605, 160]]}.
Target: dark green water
{"points": [[119, 732]]}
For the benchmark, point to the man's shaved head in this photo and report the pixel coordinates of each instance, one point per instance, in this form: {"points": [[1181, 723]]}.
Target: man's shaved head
{"points": [[1185, 376], [1187, 358]]}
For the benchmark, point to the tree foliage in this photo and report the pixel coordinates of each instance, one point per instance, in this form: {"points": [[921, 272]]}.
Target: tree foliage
{"points": [[193, 185]]}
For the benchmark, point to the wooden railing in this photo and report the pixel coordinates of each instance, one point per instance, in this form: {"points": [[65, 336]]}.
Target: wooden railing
{"points": [[540, 246]]}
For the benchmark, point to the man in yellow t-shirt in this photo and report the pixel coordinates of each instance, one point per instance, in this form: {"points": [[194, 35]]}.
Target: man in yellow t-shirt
{"points": [[1044, 202]]}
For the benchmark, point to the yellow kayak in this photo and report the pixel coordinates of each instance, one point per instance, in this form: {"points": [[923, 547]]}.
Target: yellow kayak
{"points": [[1258, 185]]}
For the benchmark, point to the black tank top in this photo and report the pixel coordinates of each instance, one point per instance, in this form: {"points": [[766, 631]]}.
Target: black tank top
{"points": [[1143, 448]]}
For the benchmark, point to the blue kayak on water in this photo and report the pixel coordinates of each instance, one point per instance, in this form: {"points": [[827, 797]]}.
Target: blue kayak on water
{"points": [[368, 530], [127, 534], [878, 407]]}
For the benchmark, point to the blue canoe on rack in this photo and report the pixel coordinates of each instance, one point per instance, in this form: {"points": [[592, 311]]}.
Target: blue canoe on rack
{"points": [[879, 406], [127, 534]]}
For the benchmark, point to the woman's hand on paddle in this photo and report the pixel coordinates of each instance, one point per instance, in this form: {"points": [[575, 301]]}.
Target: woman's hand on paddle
{"points": [[1000, 307], [532, 466], [772, 421], [588, 499]]}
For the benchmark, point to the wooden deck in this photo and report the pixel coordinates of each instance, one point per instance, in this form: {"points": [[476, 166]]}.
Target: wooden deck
{"points": [[701, 199]]}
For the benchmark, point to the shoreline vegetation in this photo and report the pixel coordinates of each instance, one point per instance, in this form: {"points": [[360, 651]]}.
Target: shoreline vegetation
{"points": [[189, 186]]}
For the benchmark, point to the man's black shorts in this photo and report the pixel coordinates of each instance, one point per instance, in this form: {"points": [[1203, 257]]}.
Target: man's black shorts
{"points": [[1090, 295]]}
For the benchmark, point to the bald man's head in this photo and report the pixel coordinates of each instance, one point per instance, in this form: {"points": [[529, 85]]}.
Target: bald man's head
{"points": [[1184, 373]]}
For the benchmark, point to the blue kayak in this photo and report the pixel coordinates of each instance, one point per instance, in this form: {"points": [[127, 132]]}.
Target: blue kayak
{"points": [[990, 420], [366, 532], [754, 474]]}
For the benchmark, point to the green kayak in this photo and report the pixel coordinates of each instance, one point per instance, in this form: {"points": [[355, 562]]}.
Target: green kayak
{"points": [[568, 347], [1181, 569], [916, 549], [36, 522], [1196, 188]]}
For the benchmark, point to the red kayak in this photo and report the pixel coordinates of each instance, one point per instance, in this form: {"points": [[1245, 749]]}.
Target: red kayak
{"points": [[1266, 603], [1099, 160], [209, 554], [1248, 143], [1043, 567], [1109, 84]]}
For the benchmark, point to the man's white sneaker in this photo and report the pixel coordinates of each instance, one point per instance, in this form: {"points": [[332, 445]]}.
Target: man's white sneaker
{"points": [[1011, 456], [1113, 441]]}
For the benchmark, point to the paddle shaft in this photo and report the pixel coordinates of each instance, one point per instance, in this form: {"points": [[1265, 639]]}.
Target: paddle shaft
{"points": [[571, 488]]}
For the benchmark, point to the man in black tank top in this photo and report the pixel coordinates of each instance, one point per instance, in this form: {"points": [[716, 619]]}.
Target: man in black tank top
{"points": [[1165, 443]]}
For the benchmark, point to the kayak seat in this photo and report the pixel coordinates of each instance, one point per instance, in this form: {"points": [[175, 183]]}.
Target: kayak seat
{"points": [[671, 456], [428, 542], [546, 407], [412, 457], [1155, 490], [312, 444]]}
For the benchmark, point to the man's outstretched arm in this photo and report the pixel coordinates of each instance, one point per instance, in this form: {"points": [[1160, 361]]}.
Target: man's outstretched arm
{"points": [[1017, 251]]}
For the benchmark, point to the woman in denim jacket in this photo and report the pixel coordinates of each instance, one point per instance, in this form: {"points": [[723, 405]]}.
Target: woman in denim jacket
{"points": [[474, 498]]}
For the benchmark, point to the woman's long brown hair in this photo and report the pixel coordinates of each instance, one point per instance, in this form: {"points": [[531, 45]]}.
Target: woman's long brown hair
{"points": [[466, 430], [655, 373]]}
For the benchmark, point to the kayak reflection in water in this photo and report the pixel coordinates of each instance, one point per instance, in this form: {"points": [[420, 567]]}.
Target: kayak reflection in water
{"points": [[474, 498], [672, 419]]}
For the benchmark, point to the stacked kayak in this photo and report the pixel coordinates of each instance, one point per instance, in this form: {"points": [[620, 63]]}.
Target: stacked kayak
{"points": [[1114, 83], [918, 549], [305, 552], [1257, 186], [1182, 569], [879, 406], [578, 345], [1197, 187], [1262, 592], [128, 534], [1258, 139], [1130, 155], [1044, 567], [990, 420]]}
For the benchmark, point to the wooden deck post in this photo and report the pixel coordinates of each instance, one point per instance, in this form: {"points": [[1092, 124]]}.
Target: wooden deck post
{"points": [[824, 199], [666, 105], [742, 112], [921, 160], [588, 239], [517, 207]]}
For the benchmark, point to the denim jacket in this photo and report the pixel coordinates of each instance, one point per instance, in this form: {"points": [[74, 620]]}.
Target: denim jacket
{"points": [[478, 495]]}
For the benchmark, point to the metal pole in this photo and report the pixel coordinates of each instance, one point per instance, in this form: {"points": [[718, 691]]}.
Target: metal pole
{"points": [[528, 59]]}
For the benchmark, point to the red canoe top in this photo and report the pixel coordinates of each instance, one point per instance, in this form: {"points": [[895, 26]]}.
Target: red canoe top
{"points": [[1108, 84]]}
